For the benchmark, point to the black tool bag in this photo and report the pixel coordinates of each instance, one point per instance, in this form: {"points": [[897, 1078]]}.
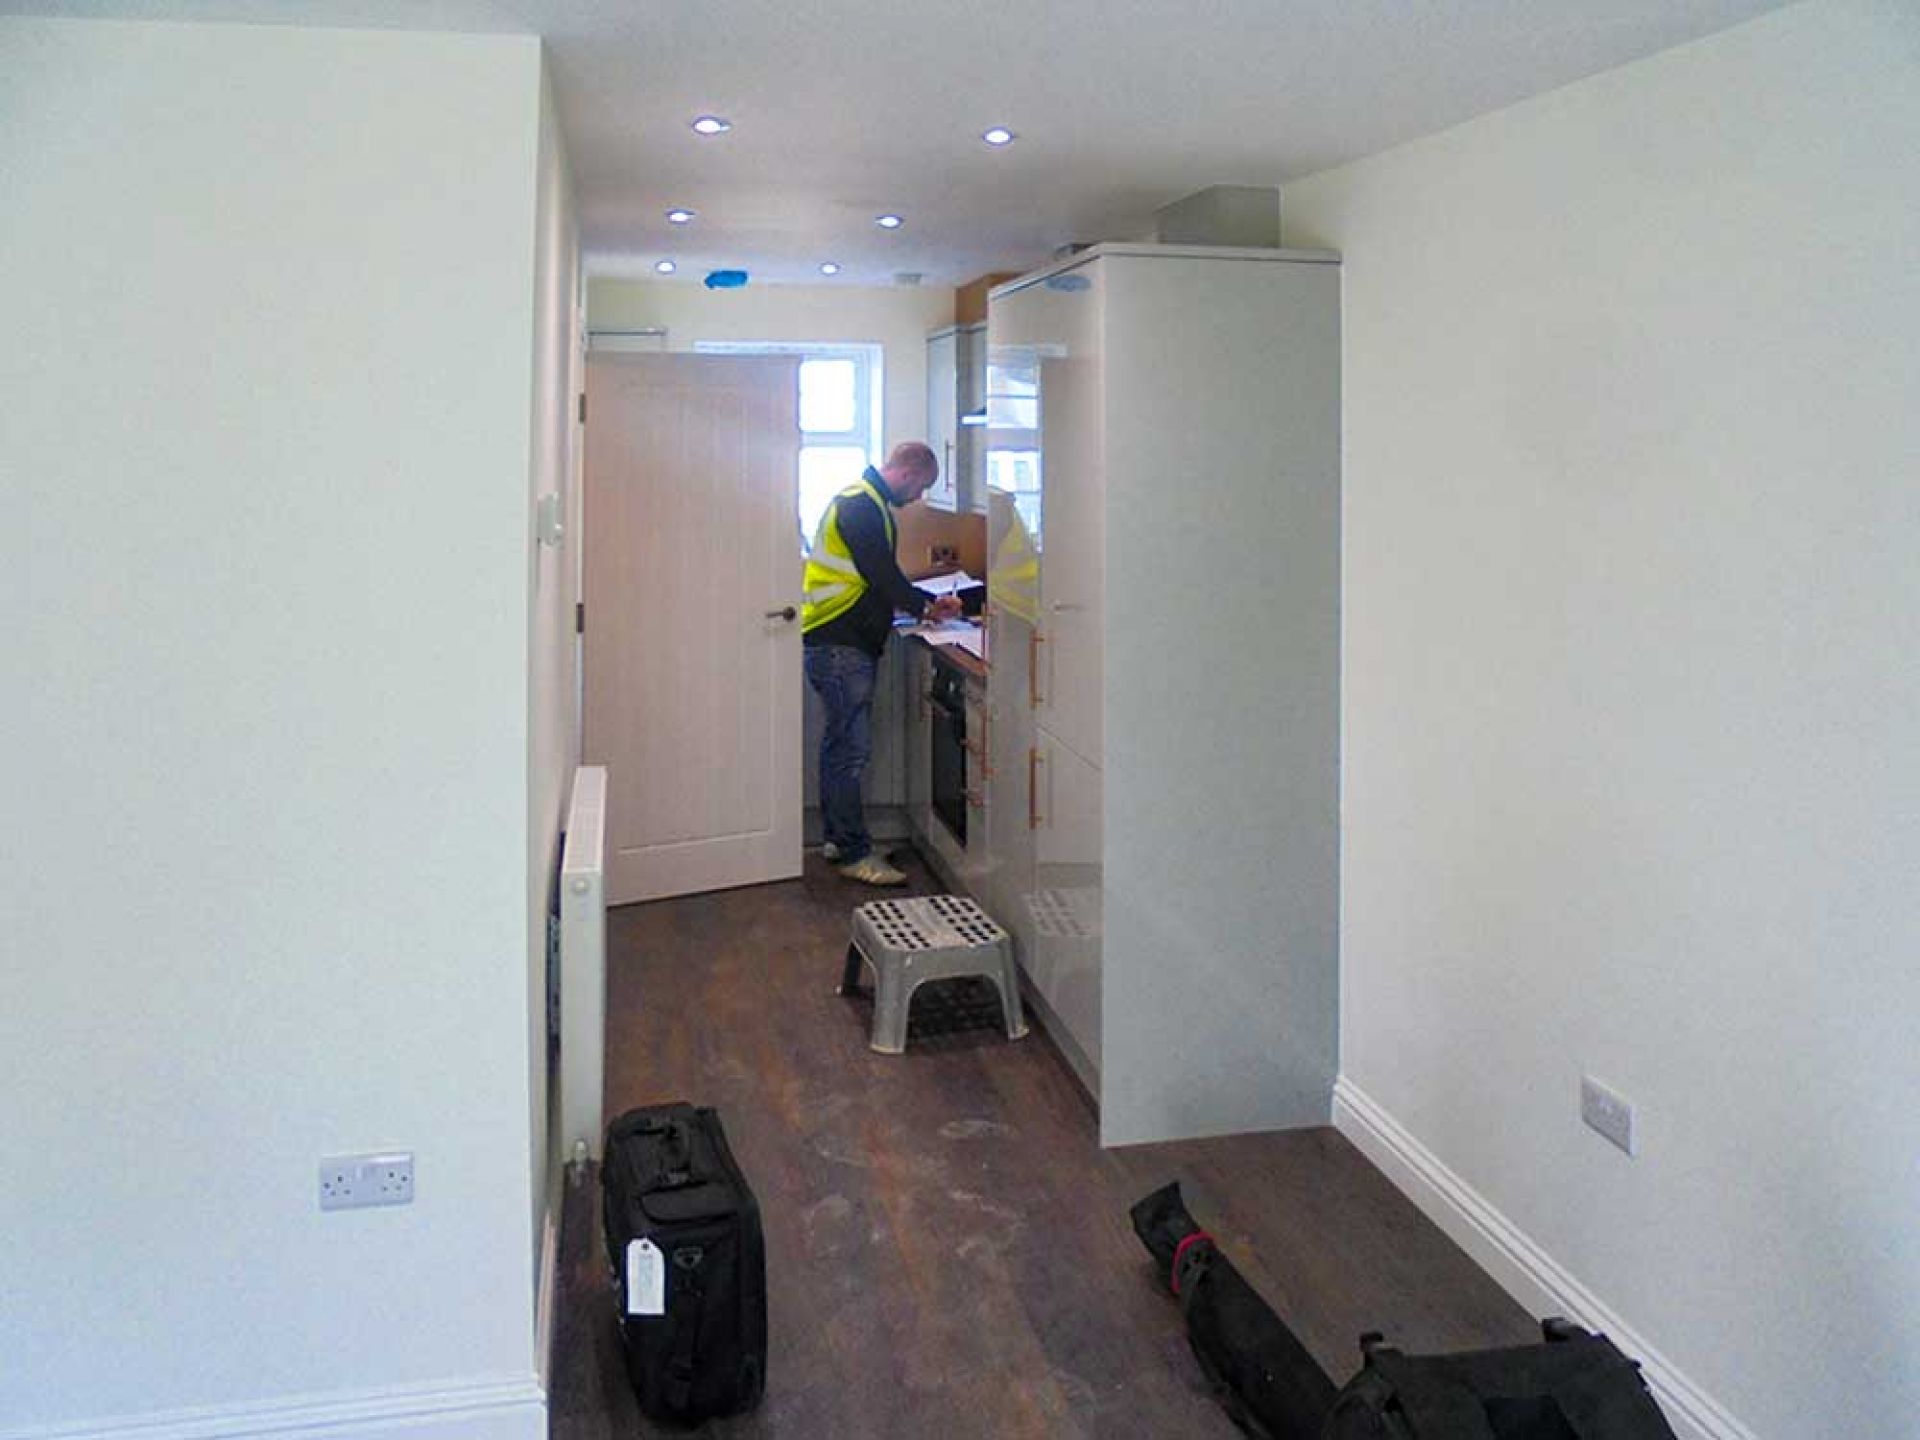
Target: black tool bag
{"points": [[1576, 1386], [1261, 1374], [689, 1261]]}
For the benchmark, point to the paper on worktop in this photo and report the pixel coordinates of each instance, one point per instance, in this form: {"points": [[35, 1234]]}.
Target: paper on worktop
{"points": [[947, 584], [962, 633]]}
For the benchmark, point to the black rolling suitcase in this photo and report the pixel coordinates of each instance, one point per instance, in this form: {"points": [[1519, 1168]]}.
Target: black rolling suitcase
{"points": [[689, 1262]]}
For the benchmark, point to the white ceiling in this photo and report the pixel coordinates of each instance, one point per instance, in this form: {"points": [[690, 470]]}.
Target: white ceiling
{"points": [[843, 109]]}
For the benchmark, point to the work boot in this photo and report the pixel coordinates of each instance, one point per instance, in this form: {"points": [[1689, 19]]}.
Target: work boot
{"points": [[872, 870]]}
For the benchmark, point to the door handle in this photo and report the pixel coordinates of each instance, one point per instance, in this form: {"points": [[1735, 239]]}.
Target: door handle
{"points": [[787, 613], [1034, 817], [1034, 641]]}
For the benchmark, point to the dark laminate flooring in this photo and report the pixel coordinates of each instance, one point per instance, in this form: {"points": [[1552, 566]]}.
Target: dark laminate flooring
{"points": [[948, 1247]]}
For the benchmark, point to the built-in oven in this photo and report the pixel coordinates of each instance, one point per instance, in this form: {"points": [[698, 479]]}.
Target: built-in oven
{"points": [[949, 703]]}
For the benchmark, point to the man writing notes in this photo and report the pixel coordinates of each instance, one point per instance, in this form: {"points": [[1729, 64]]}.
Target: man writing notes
{"points": [[853, 587]]}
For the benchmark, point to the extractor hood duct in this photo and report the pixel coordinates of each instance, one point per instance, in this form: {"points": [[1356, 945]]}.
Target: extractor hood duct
{"points": [[1238, 215]]}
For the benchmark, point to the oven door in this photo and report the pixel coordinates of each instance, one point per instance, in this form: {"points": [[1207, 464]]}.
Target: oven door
{"points": [[949, 696]]}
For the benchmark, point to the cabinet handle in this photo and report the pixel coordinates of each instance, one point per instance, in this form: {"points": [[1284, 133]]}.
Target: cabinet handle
{"points": [[1034, 818], [1034, 642], [786, 613], [982, 750]]}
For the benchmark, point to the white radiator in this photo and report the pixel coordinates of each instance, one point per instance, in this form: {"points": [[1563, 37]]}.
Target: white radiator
{"points": [[583, 965]]}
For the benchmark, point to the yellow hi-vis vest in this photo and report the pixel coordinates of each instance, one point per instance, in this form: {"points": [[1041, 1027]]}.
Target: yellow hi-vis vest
{"points": [[832, 582]]}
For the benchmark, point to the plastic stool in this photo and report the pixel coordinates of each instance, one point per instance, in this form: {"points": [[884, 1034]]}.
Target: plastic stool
{"points": [[932, 937]]}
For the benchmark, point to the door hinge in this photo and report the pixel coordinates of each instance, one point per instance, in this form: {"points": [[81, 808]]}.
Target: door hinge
{"points": [[580, 618], [583, 407]]}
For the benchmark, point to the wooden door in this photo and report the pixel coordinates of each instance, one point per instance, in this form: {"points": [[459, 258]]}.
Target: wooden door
{"points": [[691, 660]]}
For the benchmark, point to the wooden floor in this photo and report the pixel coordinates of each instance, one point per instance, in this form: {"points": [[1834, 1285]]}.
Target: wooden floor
{"points": [[948, 1249]]}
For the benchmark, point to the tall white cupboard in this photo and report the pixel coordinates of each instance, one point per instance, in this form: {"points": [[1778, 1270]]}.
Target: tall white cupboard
{"points": [[1164, 533]]}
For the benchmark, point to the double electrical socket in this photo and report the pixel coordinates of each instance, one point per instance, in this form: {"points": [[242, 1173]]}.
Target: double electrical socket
{"points": [[1607, 1111], [354, 1182]]}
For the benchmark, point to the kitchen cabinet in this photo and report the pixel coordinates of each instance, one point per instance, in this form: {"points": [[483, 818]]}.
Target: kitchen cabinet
{"points": [[961, 864], [888, 768], [917, 663], [943, 413], [1009, 879], [956, 388], [1065, 903], [976, 862], [1163, 430]]}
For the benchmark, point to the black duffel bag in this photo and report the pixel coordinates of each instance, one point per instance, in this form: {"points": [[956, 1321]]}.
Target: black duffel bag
{"points": [[689, 1262], [1575, 1386], [1260, 1372]]}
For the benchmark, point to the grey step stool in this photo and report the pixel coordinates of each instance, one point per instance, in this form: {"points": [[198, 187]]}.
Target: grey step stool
{"points": [[931, 937]]}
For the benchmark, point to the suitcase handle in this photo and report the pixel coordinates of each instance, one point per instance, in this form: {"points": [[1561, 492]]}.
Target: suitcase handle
{"points": [[676, 1154]]}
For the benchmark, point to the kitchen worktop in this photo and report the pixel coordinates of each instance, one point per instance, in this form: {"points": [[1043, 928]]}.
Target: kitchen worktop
{"points": [[963, 661]]}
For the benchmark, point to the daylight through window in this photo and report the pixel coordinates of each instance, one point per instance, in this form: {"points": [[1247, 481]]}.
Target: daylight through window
{"points": [[839, 415]]}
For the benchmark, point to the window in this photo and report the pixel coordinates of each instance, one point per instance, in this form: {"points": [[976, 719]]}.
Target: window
{"points": [[839, 405]]}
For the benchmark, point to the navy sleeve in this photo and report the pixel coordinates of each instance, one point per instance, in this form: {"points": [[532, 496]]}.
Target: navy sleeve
{"points": [[865, 531]]}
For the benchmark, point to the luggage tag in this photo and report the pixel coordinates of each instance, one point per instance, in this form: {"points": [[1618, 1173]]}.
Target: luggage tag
{"points": [[646, 1278]]}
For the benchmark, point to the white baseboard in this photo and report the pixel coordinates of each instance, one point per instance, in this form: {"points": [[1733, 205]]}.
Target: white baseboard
{"points": [[1522, 1268], [513, 1410]]}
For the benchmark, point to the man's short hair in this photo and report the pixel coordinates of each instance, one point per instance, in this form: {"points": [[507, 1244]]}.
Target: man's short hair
{"points": [[914, 457]]}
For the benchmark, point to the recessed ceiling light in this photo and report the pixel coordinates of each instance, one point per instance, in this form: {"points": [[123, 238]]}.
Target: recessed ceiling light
{"points": [[888, 222], [711, 125], [999, 135], [665, 267], [680, 217], [829, 268]]}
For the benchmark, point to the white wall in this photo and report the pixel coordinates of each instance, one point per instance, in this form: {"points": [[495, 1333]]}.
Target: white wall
{"points": [[268, 296], [1632, 607], [896, 319], [552, 581]]}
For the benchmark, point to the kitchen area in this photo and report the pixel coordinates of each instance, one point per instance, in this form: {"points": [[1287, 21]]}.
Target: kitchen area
{"points": [[1127, 750]]}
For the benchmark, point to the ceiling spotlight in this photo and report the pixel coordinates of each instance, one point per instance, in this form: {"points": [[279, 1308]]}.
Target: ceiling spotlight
{"points": [[679, 217], [711, 125], [665, 267], [888, 222], [999, 135], [829, 268]]}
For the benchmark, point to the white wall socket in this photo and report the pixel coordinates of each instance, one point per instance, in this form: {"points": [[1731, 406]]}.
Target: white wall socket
{"points": [[353, 1182], [1607, 1111]]}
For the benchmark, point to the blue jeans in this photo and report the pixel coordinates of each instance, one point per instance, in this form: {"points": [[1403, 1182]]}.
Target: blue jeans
{"points": [[843, 676]]}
